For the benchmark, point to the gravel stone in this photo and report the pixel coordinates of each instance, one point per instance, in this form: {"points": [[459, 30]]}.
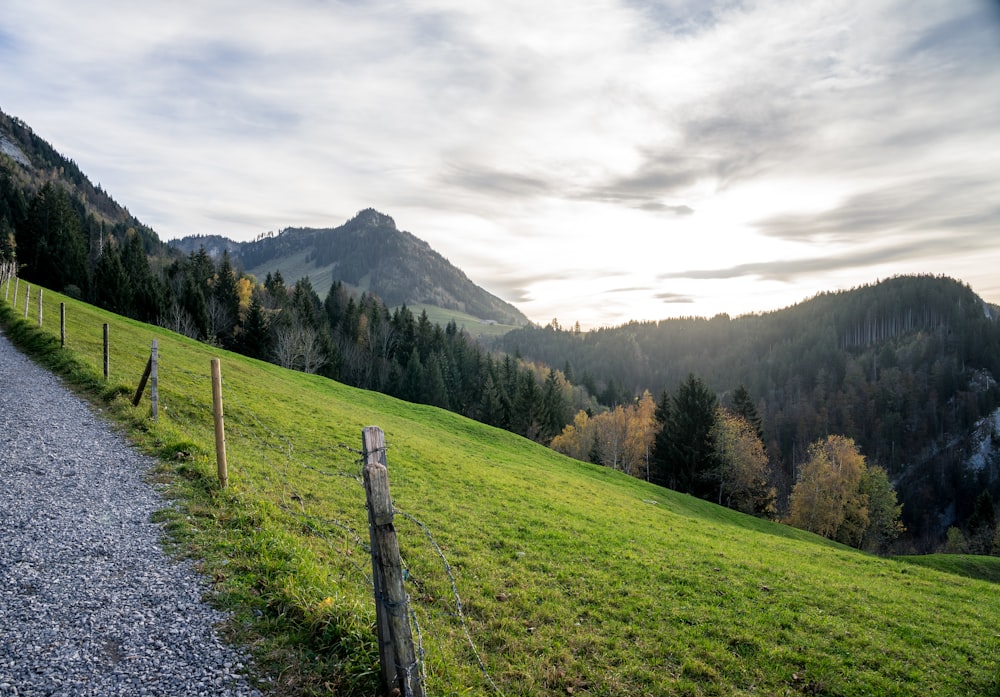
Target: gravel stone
{"points": [[89, 602]]}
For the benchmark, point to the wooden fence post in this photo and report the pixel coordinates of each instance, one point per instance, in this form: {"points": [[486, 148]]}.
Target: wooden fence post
{"points": [[27, 297], [220, 426], [62, 324], [39, 307], [149, 374], [17, 282], [137, 397], [107, 356], [400, 670]]}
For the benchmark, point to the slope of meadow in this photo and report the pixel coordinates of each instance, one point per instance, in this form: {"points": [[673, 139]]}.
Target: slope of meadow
{"points": [[573, 579]]}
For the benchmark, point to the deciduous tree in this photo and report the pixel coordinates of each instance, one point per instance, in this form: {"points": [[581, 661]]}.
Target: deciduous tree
{"points": [[743, 466]]}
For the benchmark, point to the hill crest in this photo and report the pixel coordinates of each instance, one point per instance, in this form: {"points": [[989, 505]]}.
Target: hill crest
{"points": [[370, 254]]}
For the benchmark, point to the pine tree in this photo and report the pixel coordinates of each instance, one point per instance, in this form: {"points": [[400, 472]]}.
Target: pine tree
{"points": [[112, 290], [145, 302], [661, 443], [744, 406], [434, 391], [412, 383], [254, 339], [227, 297], [691, 458], [553, 414]]}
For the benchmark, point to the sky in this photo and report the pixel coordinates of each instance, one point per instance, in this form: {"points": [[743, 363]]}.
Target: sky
{"points": [[593, 161]]}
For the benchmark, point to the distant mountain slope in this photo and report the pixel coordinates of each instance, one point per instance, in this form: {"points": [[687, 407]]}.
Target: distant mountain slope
{"points": [[370, 254], [907, 367], [31, 162]]}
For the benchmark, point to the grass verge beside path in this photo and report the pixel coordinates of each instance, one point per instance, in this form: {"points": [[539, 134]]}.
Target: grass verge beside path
{"points": [[574, 579]]}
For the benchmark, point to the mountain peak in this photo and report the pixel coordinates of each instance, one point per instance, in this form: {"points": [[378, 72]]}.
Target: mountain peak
{"points": [[370, 217]]}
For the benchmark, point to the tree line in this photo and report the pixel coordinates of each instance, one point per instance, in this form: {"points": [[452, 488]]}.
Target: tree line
{"points": [[354, 339], [691, 443], [906, 368]]}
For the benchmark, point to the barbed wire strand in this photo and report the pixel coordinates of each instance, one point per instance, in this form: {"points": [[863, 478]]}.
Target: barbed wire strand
{"points": [[458, 599], [421, 655]]}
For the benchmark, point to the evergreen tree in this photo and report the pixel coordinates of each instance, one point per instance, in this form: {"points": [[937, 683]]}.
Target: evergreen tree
{"points": [[254, 339], [553, 415], [112, 290], [528, 406], [226, 293], [690, 462], [306, 304], [490, 404], [276, 290], [146, 300], [744, 406], [661, 443], [434, 391], [412, 383], [51, 245], [192, 301]]}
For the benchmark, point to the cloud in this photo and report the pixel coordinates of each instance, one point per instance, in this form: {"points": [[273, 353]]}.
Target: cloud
{"points": [[944, 204], [901, 249], [492, 182], [540, 144], [674, 298]]}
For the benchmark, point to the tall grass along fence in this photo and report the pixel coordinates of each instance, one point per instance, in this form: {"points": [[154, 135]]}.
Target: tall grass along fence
{"points": [[309, 484]]}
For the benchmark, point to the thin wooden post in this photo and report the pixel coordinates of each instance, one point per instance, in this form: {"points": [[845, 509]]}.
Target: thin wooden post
{"points": [[27, 297], [39, 307], [17, 282], [62, 324], [400, 670], [107, 354], [220, 426]]}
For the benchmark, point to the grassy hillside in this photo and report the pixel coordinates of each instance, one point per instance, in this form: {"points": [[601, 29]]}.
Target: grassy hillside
{"points": [[473, 326], [574, 579]]}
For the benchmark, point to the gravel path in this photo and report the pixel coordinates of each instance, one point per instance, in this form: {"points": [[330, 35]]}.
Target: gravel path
{"points": [[89, 602]]}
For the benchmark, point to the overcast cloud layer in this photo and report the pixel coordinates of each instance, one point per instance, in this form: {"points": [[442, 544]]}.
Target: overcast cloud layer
{"points": [[594, 161]]}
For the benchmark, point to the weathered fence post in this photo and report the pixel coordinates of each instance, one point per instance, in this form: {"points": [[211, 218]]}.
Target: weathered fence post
{"points": [[62, 324], [27, 297], [150, 371], [17, 282], [220, 426], [107, 356], [39, 307], [400, 670]]}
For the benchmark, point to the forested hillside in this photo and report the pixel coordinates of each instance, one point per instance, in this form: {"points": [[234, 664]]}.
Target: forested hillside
{"points": [[370, 255], [69, 235], [906, 367], [61, 232]]}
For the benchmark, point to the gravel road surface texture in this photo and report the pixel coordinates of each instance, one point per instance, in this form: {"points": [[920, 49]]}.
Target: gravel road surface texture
{"points": [[89, 602]]}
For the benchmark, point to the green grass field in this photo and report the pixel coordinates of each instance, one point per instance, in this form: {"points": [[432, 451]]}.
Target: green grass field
{"points": [[573, 579]]}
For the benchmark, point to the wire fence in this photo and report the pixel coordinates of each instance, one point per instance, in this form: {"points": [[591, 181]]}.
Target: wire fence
{"points": [[297, 474]]}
